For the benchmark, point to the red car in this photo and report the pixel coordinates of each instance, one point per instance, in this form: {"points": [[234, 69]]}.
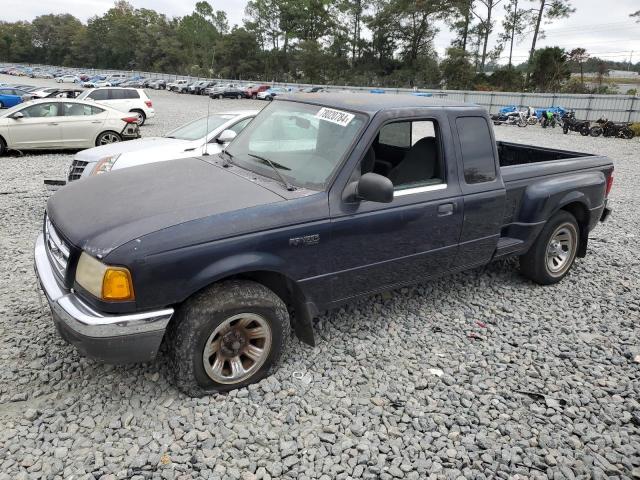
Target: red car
{"points": [[252, 92]]}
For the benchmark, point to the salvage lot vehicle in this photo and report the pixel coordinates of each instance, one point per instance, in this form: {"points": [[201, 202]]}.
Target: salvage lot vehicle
{"points": [[63, 124], [10, 97], [230, 90], [324, 199], [68, 79], [271, 93], [134, 100], [202, 136]]}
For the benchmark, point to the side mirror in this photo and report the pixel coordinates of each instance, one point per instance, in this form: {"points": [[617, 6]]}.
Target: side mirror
{"points": [[226, 136], [371, 187], [17, 116]]}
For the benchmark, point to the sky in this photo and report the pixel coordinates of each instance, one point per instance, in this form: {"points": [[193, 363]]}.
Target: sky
{"points": [[604, 31]]}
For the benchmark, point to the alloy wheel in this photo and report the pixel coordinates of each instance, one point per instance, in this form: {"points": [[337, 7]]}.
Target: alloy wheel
{"points": [[237, 348]]}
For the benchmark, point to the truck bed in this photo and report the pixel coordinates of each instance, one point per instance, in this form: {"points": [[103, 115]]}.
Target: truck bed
{"points": [[520, 162], [549, 175]]}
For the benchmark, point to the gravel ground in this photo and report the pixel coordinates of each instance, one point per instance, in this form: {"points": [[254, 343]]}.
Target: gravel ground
{"points": [[478, 375]]}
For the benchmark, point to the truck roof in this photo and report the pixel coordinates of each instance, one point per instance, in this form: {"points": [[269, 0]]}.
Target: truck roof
{"points": [[372, 103]]}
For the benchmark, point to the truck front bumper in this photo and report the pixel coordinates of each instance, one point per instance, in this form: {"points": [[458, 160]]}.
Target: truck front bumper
{"points": [[122, 338]]}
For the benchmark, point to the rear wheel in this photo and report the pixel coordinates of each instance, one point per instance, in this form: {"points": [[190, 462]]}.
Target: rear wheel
{"points": [[3, 146], [595, 131], [227, 336], [565, 129], [239, 97], [584, 130], [1, 105], [105, 138], [554, 251], [141, 117]]}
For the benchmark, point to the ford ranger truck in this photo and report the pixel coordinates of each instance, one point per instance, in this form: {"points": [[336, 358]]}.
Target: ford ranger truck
{"points": [[325, 199]]}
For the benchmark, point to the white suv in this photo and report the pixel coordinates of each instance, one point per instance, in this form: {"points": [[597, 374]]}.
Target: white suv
{"points": [[125, 99], [177, 85]]}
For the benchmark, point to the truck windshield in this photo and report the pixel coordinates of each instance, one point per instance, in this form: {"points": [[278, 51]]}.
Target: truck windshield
{"points": [[199, 128], [305, 142]]}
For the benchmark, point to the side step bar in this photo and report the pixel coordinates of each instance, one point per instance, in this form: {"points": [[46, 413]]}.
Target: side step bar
{"points": [[507, 245]]}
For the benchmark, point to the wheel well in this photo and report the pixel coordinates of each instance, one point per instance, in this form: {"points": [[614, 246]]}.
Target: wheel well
{"points": [[138, 110], [581, 214], [280, 284]]}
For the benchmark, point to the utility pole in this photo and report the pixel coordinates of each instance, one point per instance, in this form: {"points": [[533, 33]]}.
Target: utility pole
{"points": [[630, 61]]}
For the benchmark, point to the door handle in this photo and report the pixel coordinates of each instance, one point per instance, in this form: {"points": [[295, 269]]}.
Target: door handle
{"points": [[52, 124], [446, 209], [96, 121]]}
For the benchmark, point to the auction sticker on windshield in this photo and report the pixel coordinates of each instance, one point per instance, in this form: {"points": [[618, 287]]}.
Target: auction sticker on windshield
{"points": [[335, 116]]}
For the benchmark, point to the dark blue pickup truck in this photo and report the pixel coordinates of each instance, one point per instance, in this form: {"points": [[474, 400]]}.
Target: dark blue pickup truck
{"points": [[324, 198]]}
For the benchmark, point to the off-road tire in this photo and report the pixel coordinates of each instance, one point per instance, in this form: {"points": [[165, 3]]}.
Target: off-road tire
{"points": [[533, 264], [199, 316]]}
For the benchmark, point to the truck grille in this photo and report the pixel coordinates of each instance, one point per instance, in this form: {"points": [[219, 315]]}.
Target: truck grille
{"points": [[56, 248], [77, 167]]}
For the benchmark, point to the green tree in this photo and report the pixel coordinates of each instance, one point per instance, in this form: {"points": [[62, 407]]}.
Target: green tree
{"points": [[457, 70], [238, 54], [514, 25], [547, 10], [486, 27], [579, 56], [50, 36], [549, 69]]}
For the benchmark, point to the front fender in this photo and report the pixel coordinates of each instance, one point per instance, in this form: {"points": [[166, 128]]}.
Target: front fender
{"points": [[238, 264]]}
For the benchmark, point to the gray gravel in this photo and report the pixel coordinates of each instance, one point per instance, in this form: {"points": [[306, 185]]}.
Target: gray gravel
{"points": [[479, 375]]}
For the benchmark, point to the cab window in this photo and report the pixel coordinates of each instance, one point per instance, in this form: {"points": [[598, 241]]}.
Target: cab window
{"points": [[408, 153]]}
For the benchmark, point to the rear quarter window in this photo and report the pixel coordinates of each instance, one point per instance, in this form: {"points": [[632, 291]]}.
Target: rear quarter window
{"points": [[477, 150], [99, 95]]}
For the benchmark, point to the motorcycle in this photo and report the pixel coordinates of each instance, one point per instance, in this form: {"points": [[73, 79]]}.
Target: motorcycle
{"points": [[607, 128], [550, 119], [571, 123], [510, 118]]}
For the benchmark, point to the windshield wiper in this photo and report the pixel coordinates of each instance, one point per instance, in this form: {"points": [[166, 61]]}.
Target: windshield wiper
{"points": [[275, 166]]}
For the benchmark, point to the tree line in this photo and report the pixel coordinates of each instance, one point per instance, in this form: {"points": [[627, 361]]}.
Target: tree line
{"points": [[344, 42]]}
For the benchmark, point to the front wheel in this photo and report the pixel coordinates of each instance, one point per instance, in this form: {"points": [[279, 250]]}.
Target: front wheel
{"points": [[239, 97], [1, 105], [105, 138], [565, 129], [627, 133], [227, 336], [554, 251]]}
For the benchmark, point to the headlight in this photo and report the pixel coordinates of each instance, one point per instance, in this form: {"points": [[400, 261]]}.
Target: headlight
{"points": [[105, 164], [103, 281]]}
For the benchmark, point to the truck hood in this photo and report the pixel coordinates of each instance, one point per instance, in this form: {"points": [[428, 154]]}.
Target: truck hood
{"points": [[106, 211], [158, 144]]}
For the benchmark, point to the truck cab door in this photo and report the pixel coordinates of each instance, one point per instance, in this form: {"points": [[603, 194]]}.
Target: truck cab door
{"points": [[383, 245], [482, 189]]}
